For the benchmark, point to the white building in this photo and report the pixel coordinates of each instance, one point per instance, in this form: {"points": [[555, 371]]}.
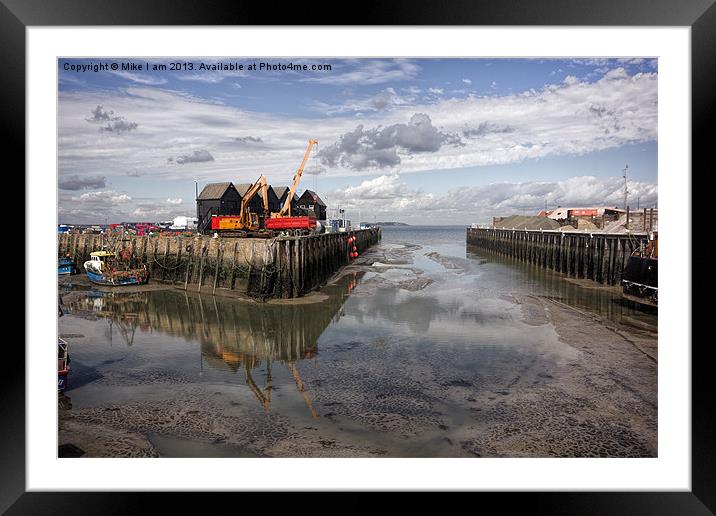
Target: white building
{"points": [[182, 222]]}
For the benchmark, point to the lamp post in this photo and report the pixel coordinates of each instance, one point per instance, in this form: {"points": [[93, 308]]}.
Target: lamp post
{"points": [[196, 202]]}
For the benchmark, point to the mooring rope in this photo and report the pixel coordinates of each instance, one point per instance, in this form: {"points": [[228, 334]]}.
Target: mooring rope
{"points": [[154, 258]]}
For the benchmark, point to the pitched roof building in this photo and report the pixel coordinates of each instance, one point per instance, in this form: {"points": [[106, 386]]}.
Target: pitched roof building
{"points": [[214, 190], [281, 193], [216, 199], [256, 205], [311, 202]]}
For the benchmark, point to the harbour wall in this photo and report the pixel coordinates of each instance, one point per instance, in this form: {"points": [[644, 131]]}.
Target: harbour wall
{"points": [[262, 268], [598, 257]]}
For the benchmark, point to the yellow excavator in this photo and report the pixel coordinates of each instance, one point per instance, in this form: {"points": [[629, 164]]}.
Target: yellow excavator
{"points": [[245, 220]]}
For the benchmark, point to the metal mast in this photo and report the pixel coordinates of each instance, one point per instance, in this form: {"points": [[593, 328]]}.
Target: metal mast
{"points": [[626, 190]]}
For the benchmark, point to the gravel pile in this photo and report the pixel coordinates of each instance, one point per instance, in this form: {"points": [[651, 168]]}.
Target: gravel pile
{"points": [[527, 222]]}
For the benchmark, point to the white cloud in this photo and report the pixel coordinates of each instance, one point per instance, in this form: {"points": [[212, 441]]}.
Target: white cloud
{"points": [[141, 79], [569, 119], [368, 72], [150, 214], [103, 197], [379, 147], [467, 81], [81, 183], [197, 156], [561, 119], [382, 101], [175, 201], [388, 197], [209, 77]]}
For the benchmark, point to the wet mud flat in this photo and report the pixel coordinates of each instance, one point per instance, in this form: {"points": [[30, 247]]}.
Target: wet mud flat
{"points": [[415, 350]]}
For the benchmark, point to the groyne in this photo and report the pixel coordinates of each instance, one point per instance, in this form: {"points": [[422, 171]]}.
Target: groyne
{"points": [[595, 256], [262, 268]]}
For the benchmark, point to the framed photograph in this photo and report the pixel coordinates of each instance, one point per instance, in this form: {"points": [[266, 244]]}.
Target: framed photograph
{"points": [[417, 253]]}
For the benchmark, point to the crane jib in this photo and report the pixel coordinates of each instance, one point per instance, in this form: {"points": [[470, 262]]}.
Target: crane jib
{"points": [[287, 205]]}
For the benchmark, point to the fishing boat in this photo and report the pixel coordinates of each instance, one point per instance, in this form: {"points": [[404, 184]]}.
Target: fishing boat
{"points": [[65, 266], [640, 279], [105, 268], [63, 364]]}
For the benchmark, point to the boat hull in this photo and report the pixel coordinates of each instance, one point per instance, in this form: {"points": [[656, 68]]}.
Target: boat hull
{"points": [[640, 280], [63, 365], [100, 279], [65, 266], [62, 380]]}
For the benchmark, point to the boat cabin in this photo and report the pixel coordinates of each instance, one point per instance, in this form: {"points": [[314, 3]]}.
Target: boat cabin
{"points": [[100, 257]]}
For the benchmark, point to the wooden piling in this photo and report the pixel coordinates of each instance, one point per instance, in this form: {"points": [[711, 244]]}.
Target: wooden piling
{"points": [[232, 279], [219, 258], [595, 256], [164, 260], [289, 268], [178, 260], [190, 255]]}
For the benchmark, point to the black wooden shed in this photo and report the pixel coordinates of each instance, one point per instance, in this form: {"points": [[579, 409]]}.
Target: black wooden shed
{"points": [[216, 199], [311, 203], [281, 193]]}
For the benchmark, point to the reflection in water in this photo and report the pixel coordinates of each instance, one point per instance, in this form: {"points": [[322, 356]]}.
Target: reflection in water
{"points": [[438, 351], [233, 335]]}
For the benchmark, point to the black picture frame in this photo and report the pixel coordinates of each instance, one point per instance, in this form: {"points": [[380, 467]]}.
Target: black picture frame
{"points": [[700, 15]]}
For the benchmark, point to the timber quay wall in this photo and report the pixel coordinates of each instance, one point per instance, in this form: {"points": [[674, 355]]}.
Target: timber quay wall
{"points": [[262, 268], [595, 256]]}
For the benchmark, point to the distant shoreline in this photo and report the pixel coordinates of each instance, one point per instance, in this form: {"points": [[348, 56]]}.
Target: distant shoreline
{"points": [[403, 224]]}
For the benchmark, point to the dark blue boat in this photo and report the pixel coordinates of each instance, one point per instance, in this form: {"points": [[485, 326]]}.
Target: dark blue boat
{"points": [[65, 266], [112, 280]]}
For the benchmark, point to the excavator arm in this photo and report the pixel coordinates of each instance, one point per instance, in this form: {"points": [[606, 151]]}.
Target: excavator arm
{"points": [[264, 196], [245, 220], [259, 185], [286, 209]]}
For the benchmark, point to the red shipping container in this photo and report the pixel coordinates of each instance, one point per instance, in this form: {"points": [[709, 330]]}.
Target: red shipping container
{"points": [[225, 222], [584, 213], [291, 223]]}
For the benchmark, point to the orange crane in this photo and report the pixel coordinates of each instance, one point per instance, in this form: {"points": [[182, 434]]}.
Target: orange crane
{"points": [[245, 220], [286, 209], [283, 219]]}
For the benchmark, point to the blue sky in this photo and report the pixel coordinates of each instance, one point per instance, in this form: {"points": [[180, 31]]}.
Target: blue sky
{"points": [[416, 140]]}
